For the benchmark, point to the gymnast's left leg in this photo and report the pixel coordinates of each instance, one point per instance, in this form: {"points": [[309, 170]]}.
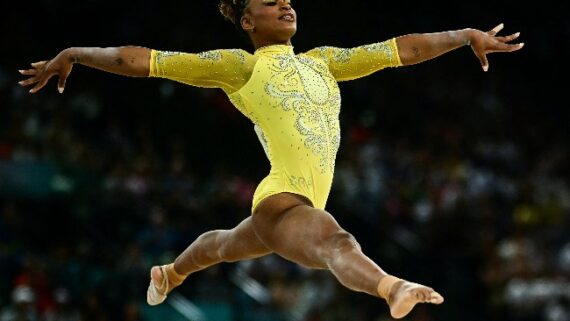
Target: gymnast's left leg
{"points": [[213, 247], [313, 238]]}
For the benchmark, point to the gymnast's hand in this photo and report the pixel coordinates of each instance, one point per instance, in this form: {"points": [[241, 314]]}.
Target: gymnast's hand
{"points": [[43, 71], [483, 43]]}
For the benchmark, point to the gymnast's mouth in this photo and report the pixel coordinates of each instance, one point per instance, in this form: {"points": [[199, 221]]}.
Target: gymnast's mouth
{"points": [[288, 17]]}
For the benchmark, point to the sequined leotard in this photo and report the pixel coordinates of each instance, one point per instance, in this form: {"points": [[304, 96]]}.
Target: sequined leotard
{"points": [[292, 99]]}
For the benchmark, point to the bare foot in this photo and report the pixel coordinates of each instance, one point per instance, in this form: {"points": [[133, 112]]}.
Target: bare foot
{"points": [[157, 277], [159, 289], [405, 295]]}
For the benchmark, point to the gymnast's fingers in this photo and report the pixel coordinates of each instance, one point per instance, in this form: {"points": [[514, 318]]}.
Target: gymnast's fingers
{"points": [[28, 72], [496, 30]]}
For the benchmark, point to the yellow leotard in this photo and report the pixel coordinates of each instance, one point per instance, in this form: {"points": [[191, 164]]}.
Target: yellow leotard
{"points": [[292, 99]]}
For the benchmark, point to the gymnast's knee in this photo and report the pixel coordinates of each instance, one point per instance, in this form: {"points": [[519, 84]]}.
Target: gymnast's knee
{"points": [[340, 242]]}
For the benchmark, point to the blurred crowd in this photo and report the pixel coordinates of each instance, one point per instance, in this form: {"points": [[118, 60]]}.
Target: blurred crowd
{"points": [[445, 176]]}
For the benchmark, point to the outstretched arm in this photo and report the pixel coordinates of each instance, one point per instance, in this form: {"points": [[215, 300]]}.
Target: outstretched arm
{"points": [[127, 61], [416, 48]]}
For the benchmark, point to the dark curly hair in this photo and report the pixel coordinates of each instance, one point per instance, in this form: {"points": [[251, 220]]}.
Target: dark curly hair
{"points": [[233, 11]]}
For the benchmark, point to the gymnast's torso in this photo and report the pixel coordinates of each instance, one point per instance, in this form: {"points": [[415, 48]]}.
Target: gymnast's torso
{"points": [[293, 100]]}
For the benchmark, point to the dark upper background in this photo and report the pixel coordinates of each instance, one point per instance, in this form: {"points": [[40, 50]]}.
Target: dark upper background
{"points": [[468, 152]]}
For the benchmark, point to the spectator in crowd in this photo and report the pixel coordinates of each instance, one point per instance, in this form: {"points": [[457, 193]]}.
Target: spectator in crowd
{"points": [[23, 306]]}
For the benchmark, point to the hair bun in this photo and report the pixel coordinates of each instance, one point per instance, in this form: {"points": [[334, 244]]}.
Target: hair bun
{"points": [[227, 10]]}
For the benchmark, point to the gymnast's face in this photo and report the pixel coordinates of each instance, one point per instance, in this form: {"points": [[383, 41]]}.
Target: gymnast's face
{"points": [[270, 21]]}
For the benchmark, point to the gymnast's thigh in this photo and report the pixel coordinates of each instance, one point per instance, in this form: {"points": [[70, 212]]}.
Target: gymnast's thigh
{"points": [[289, 226]]}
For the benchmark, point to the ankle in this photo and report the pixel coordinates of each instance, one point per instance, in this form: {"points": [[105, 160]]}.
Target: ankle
{"points": [[386, 285], [173, 276]]}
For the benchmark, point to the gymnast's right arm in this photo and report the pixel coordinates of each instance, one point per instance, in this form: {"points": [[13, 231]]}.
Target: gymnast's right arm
{"points": [[228, 69], [126, 61]]}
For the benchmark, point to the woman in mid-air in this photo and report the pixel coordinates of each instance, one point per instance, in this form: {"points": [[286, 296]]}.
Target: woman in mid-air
{"points": [[293, 101]]}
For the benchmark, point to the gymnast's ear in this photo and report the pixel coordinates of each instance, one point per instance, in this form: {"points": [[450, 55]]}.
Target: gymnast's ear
{"points": [[247, 23]]}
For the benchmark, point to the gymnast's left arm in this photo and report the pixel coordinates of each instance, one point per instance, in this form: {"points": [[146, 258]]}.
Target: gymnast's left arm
{"points": [[352, 63], [417, 48]]}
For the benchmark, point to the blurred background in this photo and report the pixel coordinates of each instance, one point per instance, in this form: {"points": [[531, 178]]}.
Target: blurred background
{"points": [[446, 175]]}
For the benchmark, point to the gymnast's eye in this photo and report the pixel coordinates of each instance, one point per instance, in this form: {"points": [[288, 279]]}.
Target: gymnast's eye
{"points": [[274, 2]]}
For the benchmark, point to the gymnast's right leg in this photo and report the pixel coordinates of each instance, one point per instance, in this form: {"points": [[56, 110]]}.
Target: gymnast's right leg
{"points": [[213, 247]]}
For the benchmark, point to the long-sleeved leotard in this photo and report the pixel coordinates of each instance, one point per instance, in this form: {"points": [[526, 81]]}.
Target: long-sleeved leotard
{"points": [[292, 99]]}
